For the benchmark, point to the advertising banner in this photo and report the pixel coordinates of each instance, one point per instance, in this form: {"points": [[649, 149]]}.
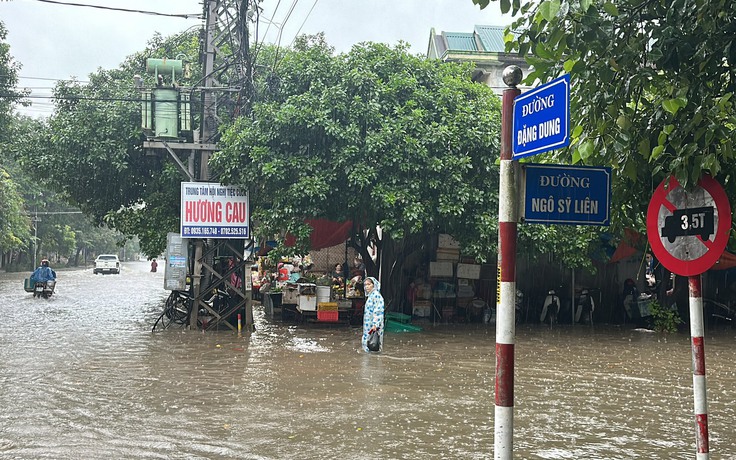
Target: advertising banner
{"points": [[212, 210], [177, 261]]}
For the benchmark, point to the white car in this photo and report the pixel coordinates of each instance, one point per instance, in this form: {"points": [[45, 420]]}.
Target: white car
{"points": [[107, 263]]}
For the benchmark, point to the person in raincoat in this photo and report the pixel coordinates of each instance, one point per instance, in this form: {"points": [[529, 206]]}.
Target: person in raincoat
{"points": [[372, 311], [43, 273]]}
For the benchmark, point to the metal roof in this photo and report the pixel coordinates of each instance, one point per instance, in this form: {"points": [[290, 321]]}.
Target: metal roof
{"points": [[491, 37], [482, 39], [460, 41]]}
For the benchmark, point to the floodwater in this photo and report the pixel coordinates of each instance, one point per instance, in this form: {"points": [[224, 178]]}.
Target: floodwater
{"points": [[83, 377]]}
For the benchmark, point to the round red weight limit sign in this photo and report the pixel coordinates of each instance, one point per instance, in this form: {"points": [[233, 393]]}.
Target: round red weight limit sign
{"points": [[688, 230]]}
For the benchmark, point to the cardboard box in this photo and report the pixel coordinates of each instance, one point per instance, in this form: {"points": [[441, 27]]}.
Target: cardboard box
{"points": [[446, 241], [468, 271], [448, 254], [421, 309], [440, 269]]}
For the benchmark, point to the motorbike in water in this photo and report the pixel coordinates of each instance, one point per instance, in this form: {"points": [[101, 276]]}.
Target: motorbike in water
{"points": [[518, 306], [584, 308], [550, 308], [41, 289], [489, 313]]}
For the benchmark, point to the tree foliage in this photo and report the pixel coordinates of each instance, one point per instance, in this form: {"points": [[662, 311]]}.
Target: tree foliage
{"points": [[375, 136], [9, 93], [14, 225], [652, 87], [92, 151]]}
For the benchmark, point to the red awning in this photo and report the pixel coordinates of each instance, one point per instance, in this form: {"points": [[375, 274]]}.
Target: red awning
{"points": [[726, 261], [627, 247], [325, 233], [633, 239]]}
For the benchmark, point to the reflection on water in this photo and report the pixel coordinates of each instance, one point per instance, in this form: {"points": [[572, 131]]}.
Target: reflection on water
{"points": [[82, 376]]}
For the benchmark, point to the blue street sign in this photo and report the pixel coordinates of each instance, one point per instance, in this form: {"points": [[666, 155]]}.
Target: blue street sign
{"points": [[562, 194], [542, 119]]}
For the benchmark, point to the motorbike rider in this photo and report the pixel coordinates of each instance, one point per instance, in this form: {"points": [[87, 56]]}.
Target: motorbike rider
{"points": [[43, 276], [43, 273]]}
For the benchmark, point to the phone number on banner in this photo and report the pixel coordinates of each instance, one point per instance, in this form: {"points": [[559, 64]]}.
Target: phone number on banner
{"points": [[211, 232]]}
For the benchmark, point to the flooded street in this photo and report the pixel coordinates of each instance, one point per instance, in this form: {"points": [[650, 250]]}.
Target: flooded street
{"points": [[83, 377]]}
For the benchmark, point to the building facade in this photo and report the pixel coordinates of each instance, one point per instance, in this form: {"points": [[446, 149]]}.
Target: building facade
{"points": [[484, 47]]}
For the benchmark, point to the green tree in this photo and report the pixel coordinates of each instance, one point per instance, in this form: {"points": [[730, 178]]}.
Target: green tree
{"points": [[376, 136], [92, 151], [9, 93], [14, 225], [652, 87]]}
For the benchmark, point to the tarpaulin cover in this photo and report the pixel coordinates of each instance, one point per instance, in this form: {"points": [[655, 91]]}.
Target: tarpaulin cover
{"points": [[325, 233], [626, 248]]}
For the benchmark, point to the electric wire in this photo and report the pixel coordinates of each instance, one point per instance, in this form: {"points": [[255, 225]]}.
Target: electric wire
{"points": [[125, 10], [281, 30], [303, 22], [259, 45], [286, 19]]}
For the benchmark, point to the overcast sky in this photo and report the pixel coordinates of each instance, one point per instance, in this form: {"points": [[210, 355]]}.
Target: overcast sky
{"points": [[55, 40]]}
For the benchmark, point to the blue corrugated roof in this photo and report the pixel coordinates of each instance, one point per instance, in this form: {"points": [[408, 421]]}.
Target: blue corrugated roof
{"points": [[491, 37], [460, 41]]}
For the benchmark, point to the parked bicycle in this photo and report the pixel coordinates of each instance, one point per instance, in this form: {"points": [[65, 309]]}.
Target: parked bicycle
{"points": [[178, 308]]}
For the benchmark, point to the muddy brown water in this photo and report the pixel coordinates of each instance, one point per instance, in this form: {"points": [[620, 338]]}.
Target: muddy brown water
{"points": [[83, 377]]}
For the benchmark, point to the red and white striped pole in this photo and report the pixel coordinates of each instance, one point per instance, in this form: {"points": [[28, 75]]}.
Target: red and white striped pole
{"points": [[699, 389], [508, 217]]}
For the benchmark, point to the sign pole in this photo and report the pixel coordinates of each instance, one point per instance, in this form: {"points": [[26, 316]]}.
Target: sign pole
{"points": [[508, 217], [688, 231], [697, 331]]}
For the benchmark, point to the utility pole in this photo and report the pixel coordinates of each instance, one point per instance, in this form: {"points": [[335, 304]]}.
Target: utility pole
{"points": [[221, 17], [207, 130], [225, 28], [36, 220]]}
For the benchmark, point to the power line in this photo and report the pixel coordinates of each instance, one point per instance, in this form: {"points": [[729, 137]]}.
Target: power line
{"points": [[78, 98], [50, 79], [125, 10], [303, 22], [48, 213], [286, 19], [271, 20]]}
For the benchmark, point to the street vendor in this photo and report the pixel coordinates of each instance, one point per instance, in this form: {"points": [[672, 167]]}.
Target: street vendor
{"points": [[338, 275], [357, 273]]}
